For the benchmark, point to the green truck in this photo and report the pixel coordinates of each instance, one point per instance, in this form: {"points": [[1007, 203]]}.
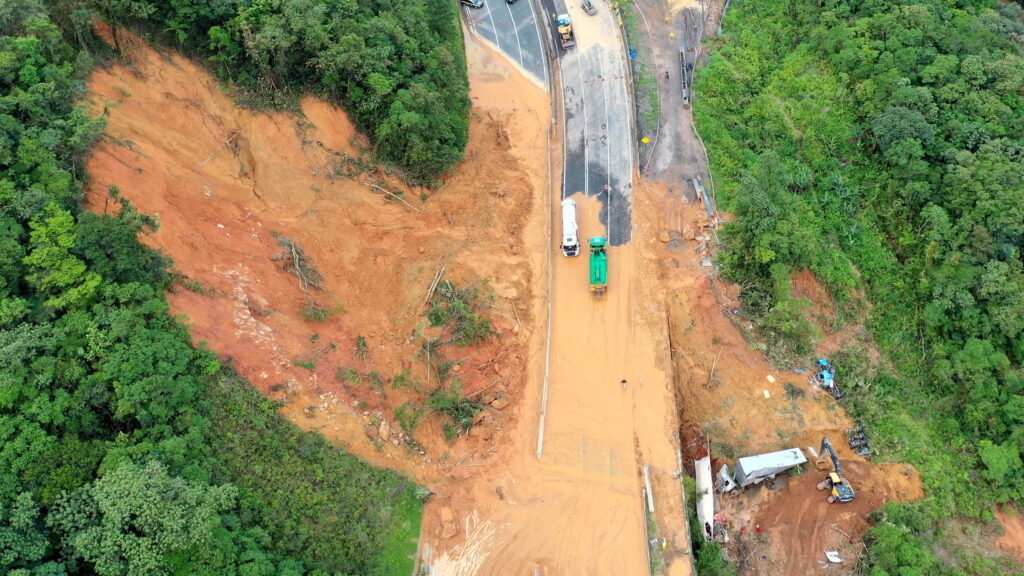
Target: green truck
{"points": [[598, 266]]}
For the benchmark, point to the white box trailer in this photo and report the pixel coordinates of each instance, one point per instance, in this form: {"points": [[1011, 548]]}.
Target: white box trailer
{"points": [[754, 469], [705, 496], [570, 228]]}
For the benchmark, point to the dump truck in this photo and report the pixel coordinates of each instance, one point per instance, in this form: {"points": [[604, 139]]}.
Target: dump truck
{"points": [[565, 32], [838, 487], [598, 266]]}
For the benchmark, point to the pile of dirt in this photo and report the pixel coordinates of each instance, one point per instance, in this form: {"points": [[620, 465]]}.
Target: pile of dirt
{"points": [[244, 198]]}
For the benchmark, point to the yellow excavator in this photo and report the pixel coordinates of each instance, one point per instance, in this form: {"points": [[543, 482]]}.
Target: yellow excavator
{"points": [[839, 488]]}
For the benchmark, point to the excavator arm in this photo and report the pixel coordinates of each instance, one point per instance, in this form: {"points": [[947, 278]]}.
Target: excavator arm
{"points": [[826, 446], [838, 486]]}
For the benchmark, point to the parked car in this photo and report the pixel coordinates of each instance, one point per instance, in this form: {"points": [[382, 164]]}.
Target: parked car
{"points": [[472, 3]]}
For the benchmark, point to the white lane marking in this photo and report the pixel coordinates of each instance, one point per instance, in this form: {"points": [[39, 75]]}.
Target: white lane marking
{"points": [[608, 147], [472, 21], [543, 54], [565, 134], [629, 128], [586, 143], [516, 30], [497, 39]]}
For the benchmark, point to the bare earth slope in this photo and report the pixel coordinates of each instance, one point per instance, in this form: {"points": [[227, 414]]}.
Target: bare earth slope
{"points": [[223, 180]]}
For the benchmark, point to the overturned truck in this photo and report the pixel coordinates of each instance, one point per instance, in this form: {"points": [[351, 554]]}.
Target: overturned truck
{"points": [[754, 469]]}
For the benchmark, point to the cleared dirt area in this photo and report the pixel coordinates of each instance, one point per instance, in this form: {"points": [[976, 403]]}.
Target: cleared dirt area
{"points": [[224, 181]]}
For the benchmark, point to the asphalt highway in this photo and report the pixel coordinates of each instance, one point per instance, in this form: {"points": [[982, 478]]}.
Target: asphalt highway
{"points": [[598, 123], [514, 30]]}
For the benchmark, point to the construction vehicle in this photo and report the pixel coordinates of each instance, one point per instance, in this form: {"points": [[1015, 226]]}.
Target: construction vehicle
{"points": [[826, 376], [598, 266], [565, 32], [839, 488], [588, 6]]}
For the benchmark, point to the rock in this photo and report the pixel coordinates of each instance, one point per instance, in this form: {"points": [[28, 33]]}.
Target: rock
{"points": [[664, 237], [499, 403], [371, 431], [688, 233], [479, 417], [449, 527], [488, 398], [384, 430]]}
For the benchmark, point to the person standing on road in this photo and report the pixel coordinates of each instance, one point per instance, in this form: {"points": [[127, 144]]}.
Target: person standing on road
{"points": [[623, 383]]}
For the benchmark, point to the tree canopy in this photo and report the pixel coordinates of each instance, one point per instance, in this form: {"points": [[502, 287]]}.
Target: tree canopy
{"points": [[398, 68], [880, 144], [124, 450]]}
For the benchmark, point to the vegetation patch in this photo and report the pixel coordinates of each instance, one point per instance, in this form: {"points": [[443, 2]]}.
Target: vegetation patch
{"points": [[456, 408], [124, 449], [399, 71], [879, 145]]}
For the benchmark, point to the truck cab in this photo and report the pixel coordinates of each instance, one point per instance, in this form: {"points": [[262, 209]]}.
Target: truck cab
{"points": [[570, 229], [598, 266]]}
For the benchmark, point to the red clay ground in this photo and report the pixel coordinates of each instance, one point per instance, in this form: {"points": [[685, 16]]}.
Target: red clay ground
{"points": [[1012, 539], [223, 180], [732, 409]]}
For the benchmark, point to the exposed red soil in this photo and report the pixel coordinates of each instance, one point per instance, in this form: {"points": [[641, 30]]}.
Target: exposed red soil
{"points": [[1012, 539], [729, 394], [804, 284], [222, 180]]}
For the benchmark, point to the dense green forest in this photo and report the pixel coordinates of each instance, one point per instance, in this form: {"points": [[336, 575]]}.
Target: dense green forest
{"points": [[880, 144], [123, 449], [397, 67]]}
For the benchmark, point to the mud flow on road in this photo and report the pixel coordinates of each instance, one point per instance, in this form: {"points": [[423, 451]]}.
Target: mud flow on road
{"points": [[578, 509]]}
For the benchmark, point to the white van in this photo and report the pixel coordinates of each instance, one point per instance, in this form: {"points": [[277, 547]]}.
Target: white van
{"points": [[570, 229]]}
